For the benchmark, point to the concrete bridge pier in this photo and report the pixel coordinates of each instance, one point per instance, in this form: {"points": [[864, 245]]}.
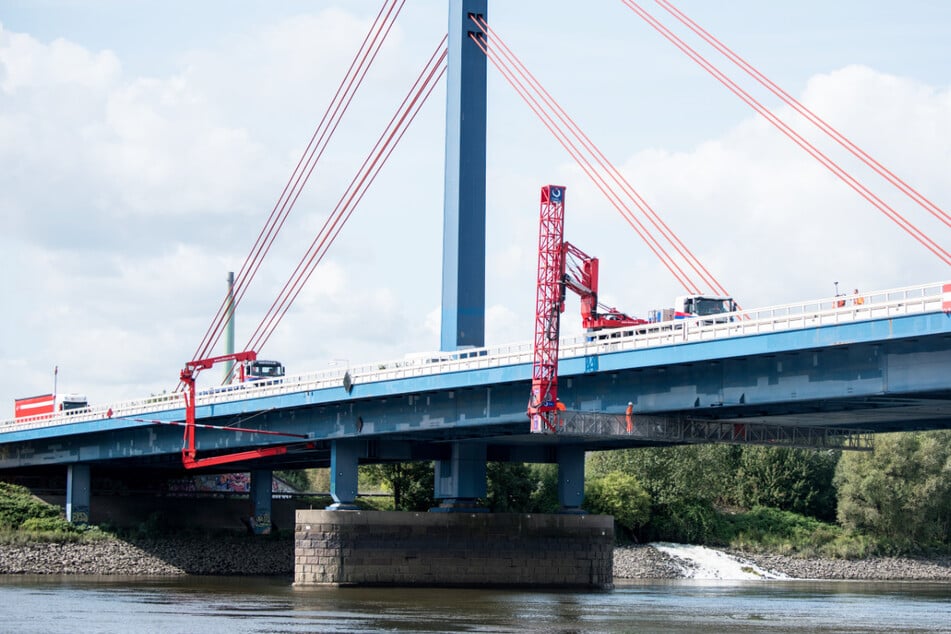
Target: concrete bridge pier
{"points": [[78, 493], [260, 521], [460, 480], [372, 548], [344, 459], [570, 478]]}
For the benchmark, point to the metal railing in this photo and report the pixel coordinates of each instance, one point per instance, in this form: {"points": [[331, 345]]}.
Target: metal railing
{"points": [[684, 430], [924, 298]]}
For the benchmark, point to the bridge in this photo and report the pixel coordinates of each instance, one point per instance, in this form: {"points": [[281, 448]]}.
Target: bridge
{"points": [[827, 372], [808, 374]]}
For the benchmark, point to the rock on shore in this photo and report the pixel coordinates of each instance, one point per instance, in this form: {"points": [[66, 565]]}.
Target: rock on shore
{"points": [[242, 555], [647, 562], [152, 557]]}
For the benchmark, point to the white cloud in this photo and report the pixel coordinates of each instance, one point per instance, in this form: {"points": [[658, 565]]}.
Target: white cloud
{"points": [[774, 225], [28, 63], [124, 199]]}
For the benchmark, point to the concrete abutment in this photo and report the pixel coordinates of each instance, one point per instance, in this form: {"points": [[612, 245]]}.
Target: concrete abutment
{"points": [[373, 548]]}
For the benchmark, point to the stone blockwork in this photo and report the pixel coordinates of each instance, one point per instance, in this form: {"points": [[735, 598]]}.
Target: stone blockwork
{"points": [[369, 548]]}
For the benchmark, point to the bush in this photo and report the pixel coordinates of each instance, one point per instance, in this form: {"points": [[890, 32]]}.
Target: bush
{"points": [[689, 522], [46, 525], [775, 530], [17, 505], [620, 495]]}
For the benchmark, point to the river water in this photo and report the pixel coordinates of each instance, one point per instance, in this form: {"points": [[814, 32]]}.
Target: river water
{"points": [[231, 605]]}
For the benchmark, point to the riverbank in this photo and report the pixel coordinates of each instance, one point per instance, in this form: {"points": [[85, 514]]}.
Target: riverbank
{"points": [[647, 562], [220, 556], [274, 556]]}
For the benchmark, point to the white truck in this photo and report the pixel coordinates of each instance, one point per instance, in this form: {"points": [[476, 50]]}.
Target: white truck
{"points": [[711, 309]]}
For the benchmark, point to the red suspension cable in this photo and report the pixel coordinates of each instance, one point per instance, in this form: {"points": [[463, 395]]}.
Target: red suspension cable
{"points": [[691, 260], [371, 167], [597, 178], [344, 95], [831, 165], [329, 130], [812, 117]]}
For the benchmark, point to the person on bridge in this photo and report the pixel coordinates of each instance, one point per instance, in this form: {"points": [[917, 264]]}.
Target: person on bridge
{"points": [[859, 300], [629, 417]]}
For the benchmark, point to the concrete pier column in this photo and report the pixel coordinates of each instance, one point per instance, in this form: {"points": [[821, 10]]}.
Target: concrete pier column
{"points": [[261, 480], [77, 493], [344, 460], [460, 480], [570, 478]]}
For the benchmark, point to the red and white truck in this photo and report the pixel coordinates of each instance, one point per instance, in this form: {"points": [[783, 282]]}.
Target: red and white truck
{"points": [[45, 405]]}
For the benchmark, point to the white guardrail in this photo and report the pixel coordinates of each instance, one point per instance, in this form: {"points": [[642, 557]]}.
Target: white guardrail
{"points": [[925, 298]]}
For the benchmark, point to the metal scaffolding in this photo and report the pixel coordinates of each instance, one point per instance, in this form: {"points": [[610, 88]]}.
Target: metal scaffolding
{"points": [[682, 429]]}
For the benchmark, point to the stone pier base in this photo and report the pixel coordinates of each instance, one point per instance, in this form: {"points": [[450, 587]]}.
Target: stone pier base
{"points": [[372, 548]]}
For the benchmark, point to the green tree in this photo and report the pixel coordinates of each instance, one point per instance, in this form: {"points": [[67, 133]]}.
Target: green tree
{"points": [[901, 491], [621, 495], [675, 474], [510, 486], [410, 482], [796, 480], [545, 493], [296, 478], [683, 483]]}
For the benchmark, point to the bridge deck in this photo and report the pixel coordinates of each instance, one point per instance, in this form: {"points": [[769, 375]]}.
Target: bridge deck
{"points": [[877, 307], [884, 364]]}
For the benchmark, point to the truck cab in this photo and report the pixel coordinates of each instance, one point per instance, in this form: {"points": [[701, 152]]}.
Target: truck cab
{"points": [[71, 402], [704, 306], [261, 370]]}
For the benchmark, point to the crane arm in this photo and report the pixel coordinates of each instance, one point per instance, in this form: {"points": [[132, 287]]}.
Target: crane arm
{"points": [[561, 266], [581, 277], [189, 451]]}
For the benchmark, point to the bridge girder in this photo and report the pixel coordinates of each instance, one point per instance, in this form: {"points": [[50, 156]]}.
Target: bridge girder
{"points": [[874, 383]]}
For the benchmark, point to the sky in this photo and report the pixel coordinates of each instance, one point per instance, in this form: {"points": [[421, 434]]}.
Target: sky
{"points": [[143, 145]]}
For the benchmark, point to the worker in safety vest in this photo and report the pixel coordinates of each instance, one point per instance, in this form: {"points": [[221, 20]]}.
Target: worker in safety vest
{"points": [[859, 300], [629, 417]]}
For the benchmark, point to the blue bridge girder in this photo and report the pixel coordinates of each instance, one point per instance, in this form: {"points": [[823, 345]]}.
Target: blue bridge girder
{"points": [[884, 366]]}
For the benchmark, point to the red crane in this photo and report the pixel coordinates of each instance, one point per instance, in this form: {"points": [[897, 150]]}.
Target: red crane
{"points": [[561, 266], [189, 452], [580, 274], [549, 303]]}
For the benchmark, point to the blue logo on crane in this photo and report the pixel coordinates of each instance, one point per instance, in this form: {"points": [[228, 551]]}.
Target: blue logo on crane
{"points": [[555, 194]]}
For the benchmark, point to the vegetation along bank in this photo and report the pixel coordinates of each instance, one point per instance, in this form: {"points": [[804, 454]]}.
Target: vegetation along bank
{"points": [[884, 514]]}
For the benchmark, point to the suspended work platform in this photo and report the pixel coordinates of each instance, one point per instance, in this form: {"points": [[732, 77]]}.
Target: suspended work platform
{"points": [[685, 430]]}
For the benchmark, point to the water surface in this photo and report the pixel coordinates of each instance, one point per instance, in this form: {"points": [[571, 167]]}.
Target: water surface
{"points": [[212, 605]]}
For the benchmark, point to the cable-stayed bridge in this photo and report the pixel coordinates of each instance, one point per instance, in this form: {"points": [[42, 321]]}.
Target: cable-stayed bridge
{"points": [[822, 373], [809, 374]]}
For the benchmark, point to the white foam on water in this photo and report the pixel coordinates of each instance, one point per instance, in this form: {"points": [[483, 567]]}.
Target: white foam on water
{"points": [[700, 562]]}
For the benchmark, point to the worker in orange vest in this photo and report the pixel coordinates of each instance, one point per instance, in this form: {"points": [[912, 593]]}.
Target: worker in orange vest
{"points": [[629, 416]]}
